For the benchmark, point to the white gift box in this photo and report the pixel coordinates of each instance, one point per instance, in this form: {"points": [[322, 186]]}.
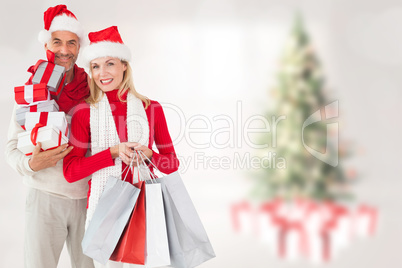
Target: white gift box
{"points": [[55, 119], [293, 241], [329, 231], [342, 232], [269, 231], [295, 236], [313, 225], [43, 106], [48, 136], [56, 76], [243, 216], [323, 243], [365, 221]]}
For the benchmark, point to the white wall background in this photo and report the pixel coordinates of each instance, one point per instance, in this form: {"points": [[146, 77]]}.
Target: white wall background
{"points": [[204, 57]]}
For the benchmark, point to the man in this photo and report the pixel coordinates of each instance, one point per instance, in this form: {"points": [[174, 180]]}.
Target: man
{"points": [[55, 209]]}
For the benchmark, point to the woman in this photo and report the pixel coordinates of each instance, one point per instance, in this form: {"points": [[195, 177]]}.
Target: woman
{"points": [[114, 122]]}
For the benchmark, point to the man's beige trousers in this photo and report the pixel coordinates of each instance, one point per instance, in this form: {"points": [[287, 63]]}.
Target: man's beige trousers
{"points": [[51, 221]]}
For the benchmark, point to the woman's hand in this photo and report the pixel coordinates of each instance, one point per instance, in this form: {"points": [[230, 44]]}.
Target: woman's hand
{"points": [[126, 151], [139, 148]]}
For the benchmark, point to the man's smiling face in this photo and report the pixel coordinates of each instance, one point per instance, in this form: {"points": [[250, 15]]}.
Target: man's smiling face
{"points": [[65, 45]]}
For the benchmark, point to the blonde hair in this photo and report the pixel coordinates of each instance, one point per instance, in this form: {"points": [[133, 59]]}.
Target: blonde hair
{"points": [[95, 93]]}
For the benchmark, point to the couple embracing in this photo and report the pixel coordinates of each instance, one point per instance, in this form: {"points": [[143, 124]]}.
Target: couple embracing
{"points": [[110, 121]]}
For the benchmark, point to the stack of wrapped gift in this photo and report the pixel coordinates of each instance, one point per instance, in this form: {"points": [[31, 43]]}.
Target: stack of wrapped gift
{"points": [[49, 128], [38, 112], [317, 231]]}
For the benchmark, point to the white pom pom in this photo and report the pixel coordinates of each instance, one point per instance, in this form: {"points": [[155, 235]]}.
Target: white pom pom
{"points": [[44, 36]]}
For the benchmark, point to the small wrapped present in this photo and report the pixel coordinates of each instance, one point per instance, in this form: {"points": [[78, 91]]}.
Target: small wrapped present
{"points": [[55, 119], [52, 75], [45, 106], [243, 217], [328, 227], [49, 137], [29, 94], [48, 72], [365, 220], [269, 224], [292, 243]]}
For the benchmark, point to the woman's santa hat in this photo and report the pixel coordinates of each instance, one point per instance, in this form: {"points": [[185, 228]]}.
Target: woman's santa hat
{"points": [[106, 43], [59, 18]]}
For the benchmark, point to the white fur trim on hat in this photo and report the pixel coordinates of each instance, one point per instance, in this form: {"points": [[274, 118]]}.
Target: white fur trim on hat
{"points": [[63, 22], [106, 49]]}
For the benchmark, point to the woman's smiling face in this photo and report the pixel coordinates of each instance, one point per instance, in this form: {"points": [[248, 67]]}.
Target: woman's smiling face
{"points": [[107, 73]]}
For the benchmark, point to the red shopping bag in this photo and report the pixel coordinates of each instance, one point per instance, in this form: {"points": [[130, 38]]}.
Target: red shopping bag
{"points": [[131, 246]]}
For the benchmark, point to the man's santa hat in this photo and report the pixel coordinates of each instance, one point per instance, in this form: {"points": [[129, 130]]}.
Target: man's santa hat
{"points": [[59, 18], [106, 43]]}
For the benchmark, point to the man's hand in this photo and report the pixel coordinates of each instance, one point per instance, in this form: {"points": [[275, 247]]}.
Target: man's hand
{"points": [[41, 160]]}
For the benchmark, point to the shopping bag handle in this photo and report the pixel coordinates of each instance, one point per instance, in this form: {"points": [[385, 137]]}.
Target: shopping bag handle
{"points": [[127, 166], [132, 170], [138, 167], [139, 172], [153, 176], [142, 155], [149, 160]]}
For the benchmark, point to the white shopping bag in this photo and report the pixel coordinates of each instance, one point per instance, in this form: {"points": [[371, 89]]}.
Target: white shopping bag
{"points": [[110, 217], [157, 246], [189, 245]]}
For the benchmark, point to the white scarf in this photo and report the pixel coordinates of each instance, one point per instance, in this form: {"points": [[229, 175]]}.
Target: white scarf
{"points": [[104, 135]]}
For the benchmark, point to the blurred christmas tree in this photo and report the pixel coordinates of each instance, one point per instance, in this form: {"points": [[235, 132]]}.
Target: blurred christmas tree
{"points": [[299, 93]]}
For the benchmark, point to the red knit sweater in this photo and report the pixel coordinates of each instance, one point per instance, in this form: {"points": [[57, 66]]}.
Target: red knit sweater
{"points": [[76, 166]]}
